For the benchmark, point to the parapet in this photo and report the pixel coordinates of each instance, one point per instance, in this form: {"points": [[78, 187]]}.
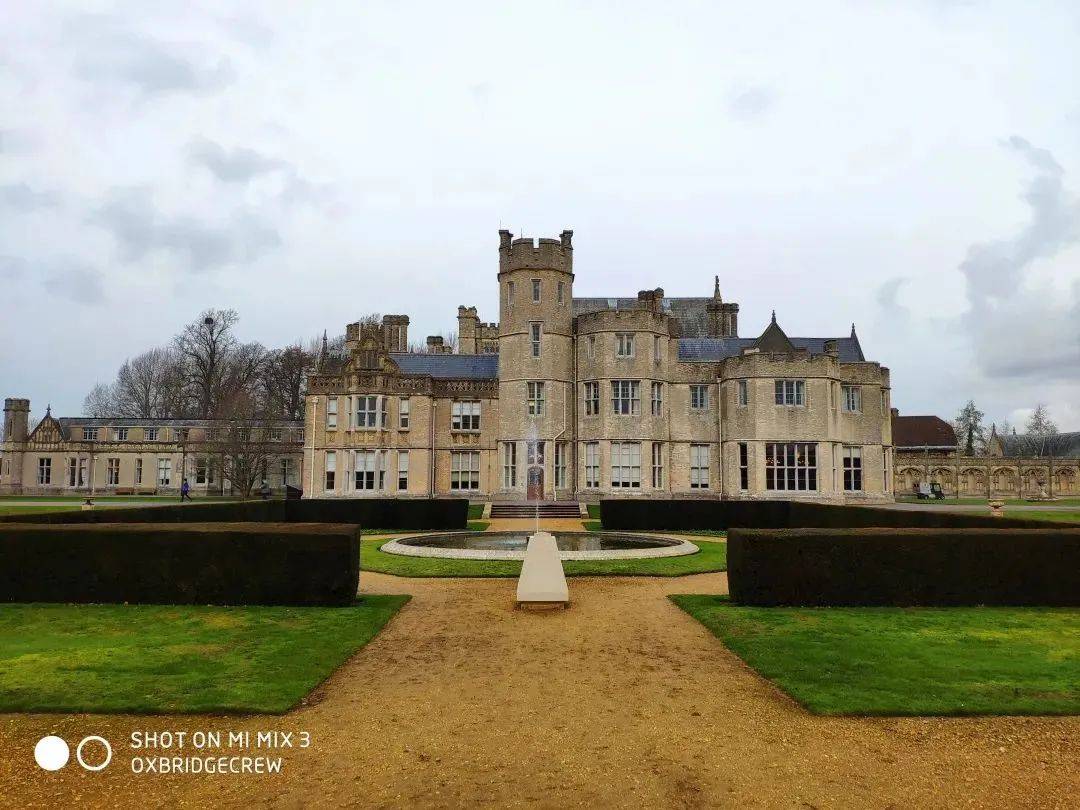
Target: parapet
{"points": [[542, 254], [16, 404]]}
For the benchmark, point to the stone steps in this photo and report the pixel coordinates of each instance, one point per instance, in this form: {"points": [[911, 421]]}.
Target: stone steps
{"points": [[529, 510]]}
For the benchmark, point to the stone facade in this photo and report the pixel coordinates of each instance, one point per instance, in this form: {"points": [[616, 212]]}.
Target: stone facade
{"points": [[116, 456], [581, 398]]}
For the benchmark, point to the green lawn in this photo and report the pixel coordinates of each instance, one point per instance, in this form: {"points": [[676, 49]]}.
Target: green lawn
{"points": [[712, 557], [1066, 501], [166, 658], [8, 509], [139, 498], [907, 661]]}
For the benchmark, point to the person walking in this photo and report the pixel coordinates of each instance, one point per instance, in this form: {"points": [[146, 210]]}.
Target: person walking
{"points": [[185, 491]]}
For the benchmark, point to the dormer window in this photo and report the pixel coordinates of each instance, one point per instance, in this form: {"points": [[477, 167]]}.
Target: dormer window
{"points": [[151, 434], [90, 434]]}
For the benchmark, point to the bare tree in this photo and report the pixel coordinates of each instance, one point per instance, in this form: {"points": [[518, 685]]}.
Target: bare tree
{"points": [[101, 401], [245, 443], [151, 386], [205, 346], [1041, 432], [284, 379]]}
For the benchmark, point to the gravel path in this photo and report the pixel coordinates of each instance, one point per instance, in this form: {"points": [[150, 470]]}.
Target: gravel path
{"points": [[621, 701]]}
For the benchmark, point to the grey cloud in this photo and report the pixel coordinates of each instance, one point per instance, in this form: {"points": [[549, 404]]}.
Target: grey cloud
{"points": [[238, 165], [77, 283], [106, 50], [1016, 331], [751, 102], [888, 299], [21, 196], [11, 267], [140, 229]]}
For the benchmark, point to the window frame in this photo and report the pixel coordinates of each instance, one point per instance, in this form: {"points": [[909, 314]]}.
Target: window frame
{"points": [[330, 471], [592, 465], [785, 471], [789, 392], [657, 455], [465, 477], [402, 470], [537, 290], [536, 336], [744, 466], [560, 465], [699, 396], [625, 473], [700, 466], [509, 464], [742, 393], [591, 397], [852, 464], [656, 398], [624, 345], [331, 413], [465, 416], [626, 397], [535, 392], [404, 414], [851, 398]]}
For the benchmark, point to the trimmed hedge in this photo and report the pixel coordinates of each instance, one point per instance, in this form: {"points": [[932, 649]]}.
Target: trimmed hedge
{"points": [[904, 567], [696, 514], [373, 513], [212, 563]]}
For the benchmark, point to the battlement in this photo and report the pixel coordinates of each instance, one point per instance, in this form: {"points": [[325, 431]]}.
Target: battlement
{"points": [[541, 254], [16, 404]]}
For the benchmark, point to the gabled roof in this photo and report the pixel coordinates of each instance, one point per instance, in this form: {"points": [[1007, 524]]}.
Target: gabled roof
{"points": [[773, 339], [449, 366], [922, 432]]}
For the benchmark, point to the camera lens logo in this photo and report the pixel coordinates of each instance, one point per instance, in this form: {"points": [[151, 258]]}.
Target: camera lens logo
{"points": [[52, 753]]}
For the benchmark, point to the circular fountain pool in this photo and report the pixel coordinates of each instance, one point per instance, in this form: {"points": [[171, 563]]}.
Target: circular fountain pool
{"points": [[511, 546]]}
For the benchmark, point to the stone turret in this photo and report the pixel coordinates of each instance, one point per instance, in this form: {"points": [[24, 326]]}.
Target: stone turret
{"points": [[16, 419], [723, 318]]}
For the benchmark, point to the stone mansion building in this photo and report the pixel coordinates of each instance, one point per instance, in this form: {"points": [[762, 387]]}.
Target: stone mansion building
{"points": [[576, 398], [563, 398]]}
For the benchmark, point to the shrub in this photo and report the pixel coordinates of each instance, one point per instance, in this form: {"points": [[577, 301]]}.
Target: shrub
{"points": [[210, 563], [374, 513], [696, 514], [883, 566]]}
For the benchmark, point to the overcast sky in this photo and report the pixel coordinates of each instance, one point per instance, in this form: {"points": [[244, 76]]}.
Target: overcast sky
{"points": [[912, 167]]}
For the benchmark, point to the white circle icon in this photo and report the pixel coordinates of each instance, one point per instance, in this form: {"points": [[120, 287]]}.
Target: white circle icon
{"points": [[51, 753], [108, 753]]}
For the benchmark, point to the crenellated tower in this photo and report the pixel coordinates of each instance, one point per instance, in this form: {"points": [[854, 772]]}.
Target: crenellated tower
{"points": [[536, 289]]}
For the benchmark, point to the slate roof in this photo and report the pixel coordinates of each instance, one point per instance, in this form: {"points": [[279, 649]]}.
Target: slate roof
{"points": [[711, 350], [449, 366], [689, 313], [922, 432]]}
